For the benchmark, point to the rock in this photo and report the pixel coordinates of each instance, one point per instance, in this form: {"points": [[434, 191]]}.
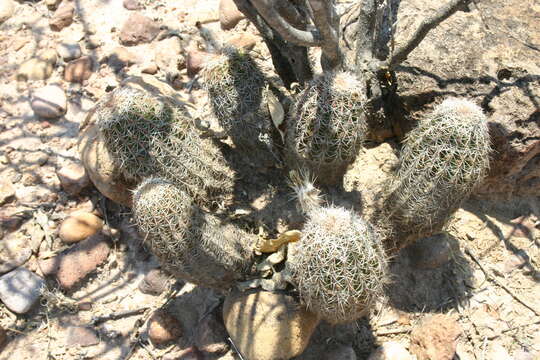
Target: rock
{"points": [[267, 325], [81, 259], [63, 16], [482, 68], [7, 191], [81, 336], [101, 168], [38, 68], [138, 29], [342, 352], [7, 7], [120, 57], [69, 51], [30, 195], [49, 102], [20, 289], [79, 227], [131, 4], [191, 353], [196, 60], [35, 158], [10, 218], [150, 68], [435, 338], [431, 252], [73, 178], [78, 70], [154, 283], [163, 328], [229, 15], [391, 350], [169, 57], [497, 352], [14, 252], [244, 41], [211, 336], [52, 4]]}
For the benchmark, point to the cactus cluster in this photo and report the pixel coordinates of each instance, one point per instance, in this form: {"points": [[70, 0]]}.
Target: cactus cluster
{"points": [[189, 242], [339, 266], [150, 135], [236, 89], [441, 162], [327, 126]]}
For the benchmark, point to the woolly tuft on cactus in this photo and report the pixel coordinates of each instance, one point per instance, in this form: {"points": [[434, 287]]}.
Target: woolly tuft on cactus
{"points": [[441, 162], [338, 266], [150, 135], [327, 126], [190, 243]]}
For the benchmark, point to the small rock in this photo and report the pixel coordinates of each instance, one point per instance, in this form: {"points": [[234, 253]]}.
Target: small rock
{"points": [[163, 328], [342, 352], [7, 191], [78, 70], [435, 338], [391, 351], [63, 16], [20, 289], [38, 68], [268, 325], [81, 336], [49, 266], [431, 252], [229, 15], [35, 158], [81, 260], [73, 178], [52, 4], [120, 57], [131, 4], [150, 68], [7, 7], [10, 218], [169, 56], [138, 29], [154, 283], [14, 252], [196, 60], [211, 336], [49, 102], [69, 51], [29, 195], [244, 41], [79, 227]]}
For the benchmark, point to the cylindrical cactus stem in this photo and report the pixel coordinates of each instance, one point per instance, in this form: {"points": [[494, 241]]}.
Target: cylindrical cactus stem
{"points": [[190, 243], [236, 89], [327, 126], [151, 135], [339, 266], [441, 162]]}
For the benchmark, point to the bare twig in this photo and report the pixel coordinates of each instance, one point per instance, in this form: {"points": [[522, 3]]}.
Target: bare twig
{"points": [[286, 30], [425, 27], [118, 315], [500, 284], [364, 40], [393, 332], [513, 328], [326, 21]]}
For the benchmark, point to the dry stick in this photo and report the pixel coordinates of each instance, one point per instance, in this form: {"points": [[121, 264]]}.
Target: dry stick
{"points": [[425, 27], [512, 329], [118, 315], [500, 284], [326, 21], [393, 332], [287, 31]]}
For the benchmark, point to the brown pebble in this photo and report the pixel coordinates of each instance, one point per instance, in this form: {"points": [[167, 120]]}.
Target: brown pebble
{"points": [[163, 328], [78, 70], [79, 226]]}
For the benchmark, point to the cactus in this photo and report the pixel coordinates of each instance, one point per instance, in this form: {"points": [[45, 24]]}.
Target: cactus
{"points": [[150, 135], [441, 162], [190, 243], [338, 266], [236, 88], [327, 126]]}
